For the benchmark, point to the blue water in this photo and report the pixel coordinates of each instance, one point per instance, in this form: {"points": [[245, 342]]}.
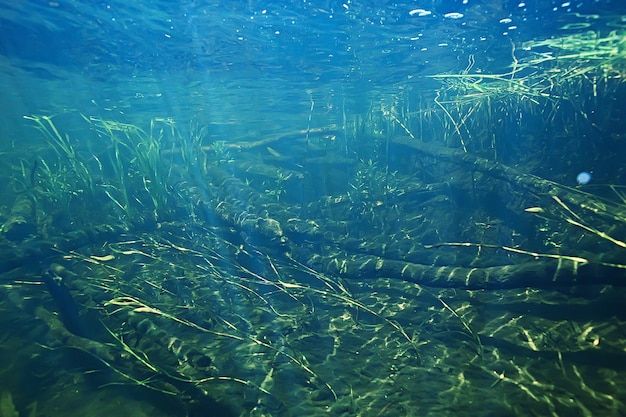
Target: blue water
{"points": [[365, 208], [258, 62]]}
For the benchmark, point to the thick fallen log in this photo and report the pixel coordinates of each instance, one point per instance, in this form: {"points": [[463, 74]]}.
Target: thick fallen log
{"points": [[541, 273], [22, 221], [528, 182]]}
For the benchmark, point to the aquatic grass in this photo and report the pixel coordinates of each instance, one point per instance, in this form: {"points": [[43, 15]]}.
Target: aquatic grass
{"points": [[137, 306], [259, 312], [119, 186], [590, 53], [134, 153], [54, 185], [78, 176], [471, 103], [141, 166], [61, 144], [270, 306], [126, 303], [135, 173], [537, 85], [150, 166], [466, 326]]}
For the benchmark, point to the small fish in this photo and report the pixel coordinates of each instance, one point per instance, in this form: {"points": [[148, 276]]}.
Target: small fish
{"points": [[273, 152], [33, 172]]}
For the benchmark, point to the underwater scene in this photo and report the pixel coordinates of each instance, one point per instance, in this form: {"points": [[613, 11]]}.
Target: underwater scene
{"points": [[312, 208]]}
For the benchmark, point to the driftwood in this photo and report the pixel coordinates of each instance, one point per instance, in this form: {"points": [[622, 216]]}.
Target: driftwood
{"points": [[21, 222], [322, 242], [242, 269], [528, 182], [244, 208]]}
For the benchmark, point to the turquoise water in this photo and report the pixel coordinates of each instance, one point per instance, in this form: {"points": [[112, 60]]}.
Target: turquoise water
{"points": [[312, 208]]}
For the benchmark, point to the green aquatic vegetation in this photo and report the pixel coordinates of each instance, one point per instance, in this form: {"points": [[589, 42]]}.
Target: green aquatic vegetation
{"points": [[61, 144], [277, 188], [545, 75], [579, 54], [341, 317], [267, 330], [135, 172], [220, 150], [472, 103], [73, 174], [138, 164], [193, 157], [599, 218], [7, 406], [408, 283]]}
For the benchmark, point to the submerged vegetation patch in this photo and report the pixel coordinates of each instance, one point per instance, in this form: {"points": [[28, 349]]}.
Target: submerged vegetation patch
{"points": [[433, 255]]}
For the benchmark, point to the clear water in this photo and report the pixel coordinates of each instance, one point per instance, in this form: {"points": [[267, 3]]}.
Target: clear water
{"points": [[312, 208]]}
